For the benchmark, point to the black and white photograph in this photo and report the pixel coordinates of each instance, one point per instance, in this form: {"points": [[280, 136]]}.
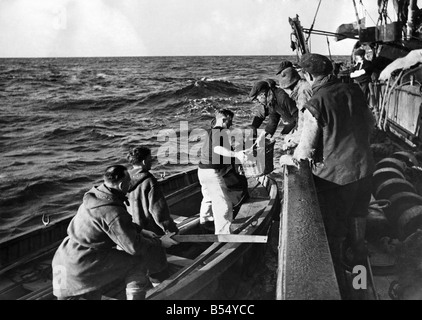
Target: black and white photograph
{"points": [[225, 153]]}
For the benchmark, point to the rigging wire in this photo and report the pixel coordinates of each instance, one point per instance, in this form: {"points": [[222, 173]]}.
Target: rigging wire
{"points": [[383, 12], [313, 22], [366, 13]]}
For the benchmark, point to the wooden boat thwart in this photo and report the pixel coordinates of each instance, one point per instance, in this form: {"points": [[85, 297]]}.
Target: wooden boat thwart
{"points": [[25, 264]]}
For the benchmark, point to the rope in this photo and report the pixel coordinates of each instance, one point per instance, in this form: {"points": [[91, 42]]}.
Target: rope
{"points": [[385, 99], [45, 220], [388, 98], [383, 12], [379, 204]]}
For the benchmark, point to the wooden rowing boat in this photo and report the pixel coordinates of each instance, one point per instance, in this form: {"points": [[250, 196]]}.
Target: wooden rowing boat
{"points": [[25, 260]]}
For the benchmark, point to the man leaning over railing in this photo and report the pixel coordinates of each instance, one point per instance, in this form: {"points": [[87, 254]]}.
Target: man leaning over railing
{"points": [[337, 125]]}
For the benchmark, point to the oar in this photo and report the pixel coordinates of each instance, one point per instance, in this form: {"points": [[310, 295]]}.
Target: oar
{"points": [[220, 238]]}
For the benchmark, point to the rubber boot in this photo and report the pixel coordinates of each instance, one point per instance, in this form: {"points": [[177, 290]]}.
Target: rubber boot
{"points": [[135, 294], [357, 239]]}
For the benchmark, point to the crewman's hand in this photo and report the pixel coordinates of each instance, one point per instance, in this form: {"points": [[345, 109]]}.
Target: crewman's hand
{"points": [[288, 145], [176, 231], [261, 137], [149, 234], [240, 155], [287, 160], [167, 241]]}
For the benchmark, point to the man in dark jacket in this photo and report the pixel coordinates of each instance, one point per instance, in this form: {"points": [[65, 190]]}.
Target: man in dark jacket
{"points": [[362, 73], [104, 245], [299, 90], [338, 123], [148, 207], [276, 104]]}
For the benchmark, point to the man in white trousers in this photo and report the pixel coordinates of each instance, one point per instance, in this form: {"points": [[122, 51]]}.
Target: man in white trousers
{"points": [[216, 213]]}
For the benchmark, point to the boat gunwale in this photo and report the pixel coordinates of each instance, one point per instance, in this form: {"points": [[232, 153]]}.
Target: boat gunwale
{"points": [[221, 249], [70, 216]]}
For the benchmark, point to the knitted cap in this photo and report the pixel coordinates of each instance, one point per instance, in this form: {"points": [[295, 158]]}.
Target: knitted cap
{"points": [[316, 64]]}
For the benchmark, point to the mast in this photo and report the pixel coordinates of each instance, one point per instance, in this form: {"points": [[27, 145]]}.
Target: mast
{"points": [[297, 37], [357, 15]]}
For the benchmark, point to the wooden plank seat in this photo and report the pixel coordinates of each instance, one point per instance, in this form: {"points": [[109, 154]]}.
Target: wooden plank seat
{"points": [[178, 261]]}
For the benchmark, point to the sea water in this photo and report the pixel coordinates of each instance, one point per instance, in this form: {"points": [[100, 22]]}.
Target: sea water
{"points": [[64, 120]]}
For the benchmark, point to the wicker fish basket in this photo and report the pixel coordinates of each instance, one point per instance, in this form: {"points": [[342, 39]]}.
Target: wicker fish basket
{"points": [[255, 166]]}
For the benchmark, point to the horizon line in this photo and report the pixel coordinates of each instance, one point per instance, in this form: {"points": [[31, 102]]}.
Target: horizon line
{"points": [[161, 56]]}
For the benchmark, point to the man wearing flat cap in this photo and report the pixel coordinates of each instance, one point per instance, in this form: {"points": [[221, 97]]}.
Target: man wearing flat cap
{"points": [[274, 103], [362, 72], [299, 91], [336, 140]]}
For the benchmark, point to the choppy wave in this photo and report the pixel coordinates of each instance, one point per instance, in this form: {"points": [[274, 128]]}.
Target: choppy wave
{"points": [[199, 89], [91, 103]]}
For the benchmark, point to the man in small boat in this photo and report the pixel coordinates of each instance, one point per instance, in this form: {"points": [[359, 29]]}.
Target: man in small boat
{"points": [[104, 245], [148, 207], [362, 73], [216, 213], [274, 103], [300, 91], [336, 141]]}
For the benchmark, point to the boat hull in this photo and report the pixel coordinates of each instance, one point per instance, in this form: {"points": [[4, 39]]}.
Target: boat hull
{"points": [[192, 275]]}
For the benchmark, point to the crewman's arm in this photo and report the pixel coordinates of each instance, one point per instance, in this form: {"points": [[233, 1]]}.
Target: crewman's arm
{"points": [[128, 236], [357, 73], [284, 111], [159, 210], [228, 153], [259, 116], [308, 138], [274, 119]]}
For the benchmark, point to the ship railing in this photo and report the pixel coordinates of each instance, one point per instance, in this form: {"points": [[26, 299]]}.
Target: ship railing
{"points": [[305, 267]]}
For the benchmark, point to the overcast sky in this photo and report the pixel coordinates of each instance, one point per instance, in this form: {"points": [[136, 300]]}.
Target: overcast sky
{"points": [[68, 28]]}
